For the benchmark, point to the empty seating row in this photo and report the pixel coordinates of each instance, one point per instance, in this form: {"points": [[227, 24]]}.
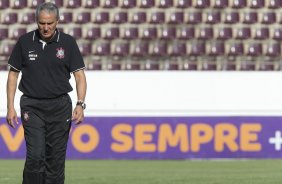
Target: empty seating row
{"points": [[182, 64], [164, 33], [151, 17], [167, 33], [18, 4], [163, 49], [172, 33], [173, 17], [161, 33], [185, 64]]}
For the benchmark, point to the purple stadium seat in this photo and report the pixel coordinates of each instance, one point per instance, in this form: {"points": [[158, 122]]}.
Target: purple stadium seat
{"points": [[266, 66], [139, 49], [231, 17], [109, 3], [274, 4], [186, 33], [224, 33], [213, 17], [247, 66], [6, 49], [197, 49], [128, 4], [19, 4], [76, 32], [170, 65], [158, 49], [149, 33], [92, 33], [132, 65], [9, 18], [91, 4], [168, 33], [4, 33], [113, 65], [194, 17], [277, 34], [82, 17], [27, 18], [216, 49], [236, 49], [183, 3], [209, 65], [102, 49], [130, 33], [119, 18], [121, 49], [254, 49], [73, 3], [101, 17], [175, 18], [111, 33], [152, 65], [147, 3], [242, 33], [268, 18], [177, 49], [65, 17], [94, 64], [261, 33], [4, 4], [157, 17], [250, 17], [138, 17], [273, 49], [229, 66], [15, 33], [58, 3], [205, 33], [220, 4], [257, 4], [35, 3], [202, 3], [165, 4], [239, 4], [190, 65], [3, 67]]}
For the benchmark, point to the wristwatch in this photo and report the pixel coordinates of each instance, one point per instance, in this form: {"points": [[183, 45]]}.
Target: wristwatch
{"points": [[81, 103]]}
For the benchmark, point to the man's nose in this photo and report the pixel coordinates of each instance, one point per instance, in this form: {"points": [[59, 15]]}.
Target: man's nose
{"points": [[45, 27]]}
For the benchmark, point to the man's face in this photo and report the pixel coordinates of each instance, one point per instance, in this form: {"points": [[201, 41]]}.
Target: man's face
{"points": [[47, 23]]}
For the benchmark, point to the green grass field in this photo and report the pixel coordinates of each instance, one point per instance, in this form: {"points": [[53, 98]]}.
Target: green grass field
{"points": [[158, 172]]}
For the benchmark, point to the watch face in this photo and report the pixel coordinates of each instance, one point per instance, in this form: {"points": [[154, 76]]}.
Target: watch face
{"points": [[82, 104]]}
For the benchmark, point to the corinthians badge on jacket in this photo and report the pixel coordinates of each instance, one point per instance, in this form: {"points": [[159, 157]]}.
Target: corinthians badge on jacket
{"points": [[60, 53]]}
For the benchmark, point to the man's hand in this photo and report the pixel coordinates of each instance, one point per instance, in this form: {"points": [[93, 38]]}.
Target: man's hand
{"points": [[78, 115], [12, 118]]}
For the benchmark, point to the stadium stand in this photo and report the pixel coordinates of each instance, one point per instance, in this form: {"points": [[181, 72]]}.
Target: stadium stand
{"points": [[203, 35]]}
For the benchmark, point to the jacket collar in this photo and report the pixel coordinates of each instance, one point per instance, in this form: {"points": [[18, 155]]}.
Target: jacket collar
{"points": [[36, 36]]}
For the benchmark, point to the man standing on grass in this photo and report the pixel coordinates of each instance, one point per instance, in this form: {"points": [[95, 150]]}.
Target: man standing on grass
{"points": [[46, 57]]}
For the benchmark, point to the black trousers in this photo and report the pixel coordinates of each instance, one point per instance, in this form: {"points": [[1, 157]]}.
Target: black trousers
{"points": [[46, 125]]}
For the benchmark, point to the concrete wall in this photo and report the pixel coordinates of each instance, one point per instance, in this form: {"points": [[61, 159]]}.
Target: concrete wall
{"points": [[166, 93]]}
